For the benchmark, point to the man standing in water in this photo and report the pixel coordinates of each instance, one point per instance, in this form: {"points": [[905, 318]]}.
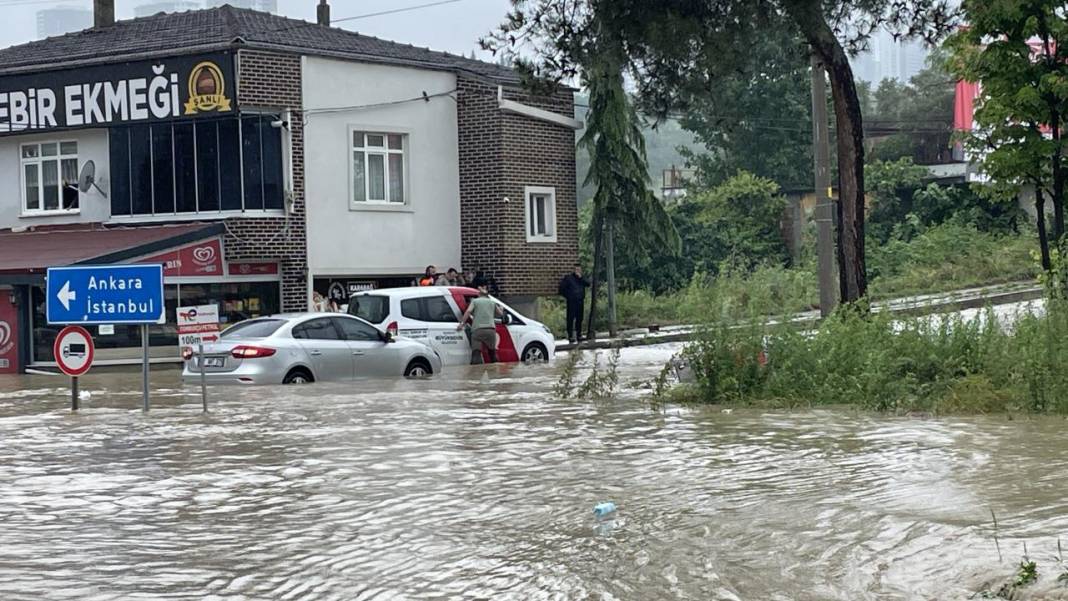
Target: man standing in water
{"points": [[483, 312], [573, 289]]}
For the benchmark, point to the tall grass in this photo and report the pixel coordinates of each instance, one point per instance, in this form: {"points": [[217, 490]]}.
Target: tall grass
{"points": [[941, 364]]}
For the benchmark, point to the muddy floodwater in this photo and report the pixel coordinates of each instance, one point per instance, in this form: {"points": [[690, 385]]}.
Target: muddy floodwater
{"points": [[481, 485]]}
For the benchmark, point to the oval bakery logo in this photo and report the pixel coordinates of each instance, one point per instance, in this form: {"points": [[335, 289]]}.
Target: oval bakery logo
{"points": [[207, 90]]}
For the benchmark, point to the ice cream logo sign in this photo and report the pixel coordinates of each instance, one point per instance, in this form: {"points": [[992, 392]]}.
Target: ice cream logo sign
{"points": [[204, 256], [6, 344], [116, 93]]}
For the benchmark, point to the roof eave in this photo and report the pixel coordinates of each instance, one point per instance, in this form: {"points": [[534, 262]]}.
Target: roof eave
{"points": [[105, 59]]}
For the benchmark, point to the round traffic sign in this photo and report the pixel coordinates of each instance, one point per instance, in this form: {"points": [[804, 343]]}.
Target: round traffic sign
{"points": [[73, 350]]}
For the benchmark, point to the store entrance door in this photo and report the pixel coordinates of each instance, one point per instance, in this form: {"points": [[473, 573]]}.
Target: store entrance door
{"points": [[9, 334]]}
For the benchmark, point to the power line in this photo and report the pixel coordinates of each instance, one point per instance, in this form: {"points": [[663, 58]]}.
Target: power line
{"points": [[395, 10]]}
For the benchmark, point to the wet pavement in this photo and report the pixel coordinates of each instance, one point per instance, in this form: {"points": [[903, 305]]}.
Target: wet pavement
{"points": [[481, 484]]}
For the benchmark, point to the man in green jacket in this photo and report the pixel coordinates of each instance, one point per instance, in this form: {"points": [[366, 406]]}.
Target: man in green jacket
{"points": [[483, 313]]}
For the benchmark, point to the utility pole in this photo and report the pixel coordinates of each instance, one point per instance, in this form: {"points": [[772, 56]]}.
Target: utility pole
{"points": [[610, 268], [821, 154]]}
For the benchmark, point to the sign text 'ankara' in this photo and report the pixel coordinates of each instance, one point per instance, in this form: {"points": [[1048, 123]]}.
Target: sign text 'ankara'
{"points": [[105, 294]]}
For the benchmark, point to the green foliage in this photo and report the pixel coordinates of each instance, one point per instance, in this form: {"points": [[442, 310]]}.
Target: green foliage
{"points": [[1055, 281], [903, 203], [744, 214], [882, 363], [1021, 92], [765, 104], [624, 209], [948, 257]]}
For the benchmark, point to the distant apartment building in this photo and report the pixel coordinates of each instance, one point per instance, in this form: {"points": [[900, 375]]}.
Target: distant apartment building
{"points": [[174, 6], [888, 58], [267, 6], [61, 20]]}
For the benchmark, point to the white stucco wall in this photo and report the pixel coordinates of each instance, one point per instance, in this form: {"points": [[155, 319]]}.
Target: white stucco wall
{"points": [[343, 241], [92, 144]]}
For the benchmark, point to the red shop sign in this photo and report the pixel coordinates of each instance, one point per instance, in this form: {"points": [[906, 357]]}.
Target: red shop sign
{"points": [[252, 268], [195, 260]]}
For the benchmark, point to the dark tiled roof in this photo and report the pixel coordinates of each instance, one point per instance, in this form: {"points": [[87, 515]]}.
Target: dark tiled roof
{"points": [[229, 27]]}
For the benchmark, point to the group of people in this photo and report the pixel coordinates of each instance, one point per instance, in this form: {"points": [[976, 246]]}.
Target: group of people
{"points": [[452, 277]]}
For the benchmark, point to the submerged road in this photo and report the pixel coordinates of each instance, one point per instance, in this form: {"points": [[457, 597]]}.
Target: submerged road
{"points": [[480, 485]]}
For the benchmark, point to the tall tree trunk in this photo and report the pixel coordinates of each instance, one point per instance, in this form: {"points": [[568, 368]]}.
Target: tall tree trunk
{"points": [[1058, 178], [1040, 221], [610, 271], [808, 14], [598, 264]]}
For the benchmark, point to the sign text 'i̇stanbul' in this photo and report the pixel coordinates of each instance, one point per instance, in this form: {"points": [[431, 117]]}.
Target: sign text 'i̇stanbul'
{"points": [[130, 92]]}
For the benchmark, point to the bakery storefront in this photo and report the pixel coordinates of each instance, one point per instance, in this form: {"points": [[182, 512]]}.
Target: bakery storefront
{"points": [[196, 272], [138, 162]]}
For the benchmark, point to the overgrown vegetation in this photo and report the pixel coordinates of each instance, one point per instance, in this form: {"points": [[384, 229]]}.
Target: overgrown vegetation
{"points": [[942, 364]]}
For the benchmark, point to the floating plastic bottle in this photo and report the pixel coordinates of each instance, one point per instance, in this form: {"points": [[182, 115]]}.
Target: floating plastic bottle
{"points": [[602, 509]]}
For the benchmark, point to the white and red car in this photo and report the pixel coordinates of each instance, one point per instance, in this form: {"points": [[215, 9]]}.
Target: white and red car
{"points": [[430, 314]]}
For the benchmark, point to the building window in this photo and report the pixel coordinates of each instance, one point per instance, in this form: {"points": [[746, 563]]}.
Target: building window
{"points": [[49, 177], [197, 168], [541, 214], [378, 168]]}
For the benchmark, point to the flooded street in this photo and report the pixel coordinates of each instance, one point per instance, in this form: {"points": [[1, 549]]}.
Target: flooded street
{"points": [[480, 488]]}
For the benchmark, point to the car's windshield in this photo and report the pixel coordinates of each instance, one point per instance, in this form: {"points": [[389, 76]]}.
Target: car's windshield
{"points": [[372, 307], [253, 328]]}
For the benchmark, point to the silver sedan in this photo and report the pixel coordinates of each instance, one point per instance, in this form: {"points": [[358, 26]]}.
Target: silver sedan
{"points": [[298, 348]]}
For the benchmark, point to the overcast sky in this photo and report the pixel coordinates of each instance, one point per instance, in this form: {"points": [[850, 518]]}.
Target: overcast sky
{"points": [[453, 27]]}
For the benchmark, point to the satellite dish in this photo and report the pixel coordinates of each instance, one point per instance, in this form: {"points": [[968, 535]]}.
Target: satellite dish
{"points": [[87, 178]]}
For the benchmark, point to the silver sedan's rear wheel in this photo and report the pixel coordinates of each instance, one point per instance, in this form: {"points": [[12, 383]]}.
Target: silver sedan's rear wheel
{"points": [[418, 368], [298, 376]]}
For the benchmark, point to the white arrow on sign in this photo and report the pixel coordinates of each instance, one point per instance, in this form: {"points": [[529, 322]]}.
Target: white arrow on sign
{"points": [[66, 295]]}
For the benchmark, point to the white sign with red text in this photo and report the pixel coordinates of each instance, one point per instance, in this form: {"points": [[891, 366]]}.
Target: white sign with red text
{"points": [[198, 325]]}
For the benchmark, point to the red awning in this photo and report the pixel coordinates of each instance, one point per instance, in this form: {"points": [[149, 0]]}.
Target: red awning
{"points": [[33, 251]]}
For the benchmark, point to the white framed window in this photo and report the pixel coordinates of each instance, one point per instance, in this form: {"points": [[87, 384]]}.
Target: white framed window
{"points": [[540, 208], [49, 177], [378, 168]]}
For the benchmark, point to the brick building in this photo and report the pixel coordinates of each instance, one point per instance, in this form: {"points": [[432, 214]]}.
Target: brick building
{"points": [[264, 160]]}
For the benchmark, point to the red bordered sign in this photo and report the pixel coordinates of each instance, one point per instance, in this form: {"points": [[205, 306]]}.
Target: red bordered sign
{"points": [[74, 350]]}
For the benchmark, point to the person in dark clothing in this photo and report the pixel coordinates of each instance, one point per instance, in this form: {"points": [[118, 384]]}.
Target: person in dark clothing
{"points": [[573, 289]]}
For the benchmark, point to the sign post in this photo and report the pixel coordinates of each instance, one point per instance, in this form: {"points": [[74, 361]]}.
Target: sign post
{"points": [[74, 351], [107, 294], [197, 325]]}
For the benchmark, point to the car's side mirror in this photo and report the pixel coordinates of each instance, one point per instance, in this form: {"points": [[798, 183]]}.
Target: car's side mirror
{"points": [[506, 319], [387, 337]]}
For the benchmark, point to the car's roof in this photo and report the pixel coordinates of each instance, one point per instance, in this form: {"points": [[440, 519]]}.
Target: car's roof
{"points": [[307, 314], [413, 291]]}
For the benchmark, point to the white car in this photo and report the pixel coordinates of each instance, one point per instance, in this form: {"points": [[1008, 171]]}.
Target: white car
{"points": [[430, 314]]}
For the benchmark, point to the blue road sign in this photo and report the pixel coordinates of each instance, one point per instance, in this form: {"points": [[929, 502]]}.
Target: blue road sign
{"points": [[105, 294]]}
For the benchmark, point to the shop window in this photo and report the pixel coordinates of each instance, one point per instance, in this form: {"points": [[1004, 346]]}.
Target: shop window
{"points": [[237, 302], [200, 168], [49, 177], [541, 214], [378, 168]]}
